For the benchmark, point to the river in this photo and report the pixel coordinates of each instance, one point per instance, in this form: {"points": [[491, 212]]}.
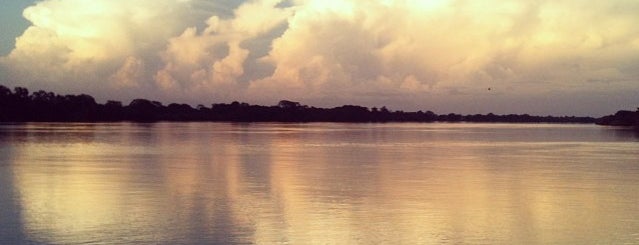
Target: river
{"points": [[318, 183]]}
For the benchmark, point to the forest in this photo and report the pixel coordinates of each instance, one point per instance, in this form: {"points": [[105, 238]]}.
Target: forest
{"points": [[19, 105]]}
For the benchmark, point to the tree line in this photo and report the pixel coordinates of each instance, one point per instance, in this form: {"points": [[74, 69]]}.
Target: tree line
{"points": [[621, 118], [18, 105]]}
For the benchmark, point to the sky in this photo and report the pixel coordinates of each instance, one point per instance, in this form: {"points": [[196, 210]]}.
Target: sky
{"points": [[541, 57]]}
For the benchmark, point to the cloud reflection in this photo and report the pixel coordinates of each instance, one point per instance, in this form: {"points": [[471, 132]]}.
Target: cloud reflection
{"points": [[319, 183]]}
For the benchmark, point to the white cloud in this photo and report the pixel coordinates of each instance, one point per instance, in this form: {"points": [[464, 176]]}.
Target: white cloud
{"points": [[404, 48], [76, 44], [208, 63]]}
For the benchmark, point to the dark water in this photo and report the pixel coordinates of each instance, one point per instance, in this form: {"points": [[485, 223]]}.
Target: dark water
{"points": [[217, 183]]}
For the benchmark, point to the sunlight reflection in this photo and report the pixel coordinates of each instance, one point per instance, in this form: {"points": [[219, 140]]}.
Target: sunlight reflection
{"points": [[344, 184]]}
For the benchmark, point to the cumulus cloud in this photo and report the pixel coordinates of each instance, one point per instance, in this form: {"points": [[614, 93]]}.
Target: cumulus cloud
{"points": [[75, 43], [432, 46], [415, 53], [209, 63]]}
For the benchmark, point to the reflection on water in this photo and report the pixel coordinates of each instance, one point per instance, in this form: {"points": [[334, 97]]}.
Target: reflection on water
{"points": [[207, 183]]}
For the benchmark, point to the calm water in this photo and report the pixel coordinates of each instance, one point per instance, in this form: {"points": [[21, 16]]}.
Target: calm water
{"points": [[218, 183]]}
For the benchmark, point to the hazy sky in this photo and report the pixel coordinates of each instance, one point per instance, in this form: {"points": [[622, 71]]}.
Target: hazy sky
{"points": [[557, 57]]}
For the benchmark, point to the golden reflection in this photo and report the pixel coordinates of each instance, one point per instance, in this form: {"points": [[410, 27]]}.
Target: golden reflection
{"points": [[76, 192], [59, 198], [442, 197], [344, 184]]}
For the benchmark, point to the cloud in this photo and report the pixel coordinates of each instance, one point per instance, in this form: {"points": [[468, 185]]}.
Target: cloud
{"points": [[75, 43], [407, 52], [427, 46], [129, 75], [209, 63]]}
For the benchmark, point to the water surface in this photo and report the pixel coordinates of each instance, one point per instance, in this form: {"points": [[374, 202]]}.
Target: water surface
{"points": [[318, 183]]}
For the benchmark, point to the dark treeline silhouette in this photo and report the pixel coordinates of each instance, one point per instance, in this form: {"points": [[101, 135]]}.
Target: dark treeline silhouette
{"points": [[41, 106], [621, 118]]}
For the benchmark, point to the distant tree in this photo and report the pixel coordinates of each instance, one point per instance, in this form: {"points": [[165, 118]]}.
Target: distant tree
{"points": [[141, 103], [429, 116], [384, 110], [143, 110], [113, 104], [21, 92], [112, 111], [78, 108], [621, 118], [4, 91], [287, 104], [42, 96], [5, 103], [351, 113]]}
